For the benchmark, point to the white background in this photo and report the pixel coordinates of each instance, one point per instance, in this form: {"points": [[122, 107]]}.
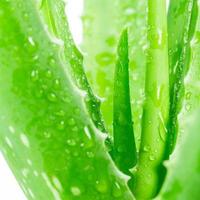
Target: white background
{"points": [[9, 188]]}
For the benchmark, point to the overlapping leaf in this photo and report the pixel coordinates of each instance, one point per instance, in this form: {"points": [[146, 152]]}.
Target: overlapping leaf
{"points": [[103, 22], [47, 136]]}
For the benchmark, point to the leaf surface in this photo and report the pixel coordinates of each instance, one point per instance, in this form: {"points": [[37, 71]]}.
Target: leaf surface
{"points": [[103, 22], [47, 135], [183, 176], [125, 154], [182, 19]]}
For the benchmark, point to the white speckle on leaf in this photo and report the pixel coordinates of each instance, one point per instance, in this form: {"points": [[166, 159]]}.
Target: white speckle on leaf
{"points": [[35, 173], [25, 140], [31, 193], [25, 172], [9, 143], [57, 183], [51, 187], [87, 132], [29, 162], [75, 191], [31, 41], [11, 129]]}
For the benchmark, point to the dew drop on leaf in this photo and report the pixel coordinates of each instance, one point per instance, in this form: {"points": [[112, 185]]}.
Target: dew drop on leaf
{"points": [[90, 154], [116, 190], [61, 125], [104, 58], [34, 75], [52, 97], [71, 142], [188, 95], [101, 186], [71, 122], [151, 158], [146, 148], [48, 74], [47, 134], [188, 107], [75, 191]]}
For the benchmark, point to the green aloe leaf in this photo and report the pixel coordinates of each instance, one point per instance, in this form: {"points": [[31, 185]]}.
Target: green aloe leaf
{"points": [[46, 133], [182, 19], [103, 21], [125, 154], [150, 172], [54, 14], [183, 176]]}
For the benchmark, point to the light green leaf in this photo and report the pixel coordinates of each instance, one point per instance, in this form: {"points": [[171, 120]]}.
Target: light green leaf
{"points": [[103, 22], [46, 133], [54, 15], [150, 172], [182, 19], [183, 176]]}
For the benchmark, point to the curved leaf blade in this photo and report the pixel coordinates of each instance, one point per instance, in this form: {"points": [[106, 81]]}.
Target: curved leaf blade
{"points": [[46, 133], [125, 154]]}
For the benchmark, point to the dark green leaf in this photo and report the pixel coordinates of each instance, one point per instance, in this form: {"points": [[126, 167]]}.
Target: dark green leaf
{"points": [[124, 142]]}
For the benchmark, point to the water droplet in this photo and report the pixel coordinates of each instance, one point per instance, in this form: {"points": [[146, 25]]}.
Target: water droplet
{"points": [[90, 154], [75, 153], [116, 191], [101, 186], [49, 74], [56, 84], [51, 61], [87, 132], [25, 172], [75, 129], [34, 75], [71, 142], [47, 134], [71, 122], [111, 41], [39, 93], [188, 107], [25, 14], [105, 58], [129, 11], [11, 129], [29, 162], [188, 95], [122, 148], [52, 97], [61, 125], [57, 183], [146, 148], [35, 173], [24, 140], [9, 143], [31, 41], [60, 113], [151, 158], [75, 191]]}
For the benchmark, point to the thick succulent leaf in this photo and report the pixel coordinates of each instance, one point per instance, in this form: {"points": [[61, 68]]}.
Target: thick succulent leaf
{"points": [[192, 92], [125, 154], [183, 176], [182, 18], [46, 133], [54, 15], [183, 168], [150, 172], [103, 22]]}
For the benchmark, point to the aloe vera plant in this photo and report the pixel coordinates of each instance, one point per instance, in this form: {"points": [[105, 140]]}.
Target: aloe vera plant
{"points": [[102, 124]]}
